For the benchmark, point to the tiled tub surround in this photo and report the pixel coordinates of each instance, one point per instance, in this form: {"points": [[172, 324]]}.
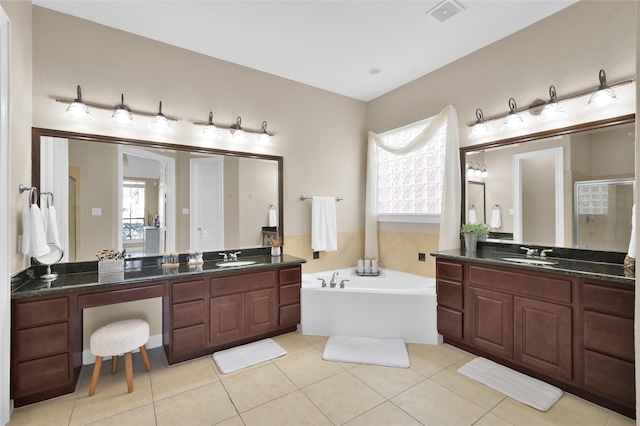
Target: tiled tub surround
{"points": [[569, 323], [204, 309]]}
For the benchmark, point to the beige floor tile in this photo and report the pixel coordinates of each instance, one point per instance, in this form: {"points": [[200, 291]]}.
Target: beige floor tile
{"points": [[233, 421], [432, 404], [255, 387], [52, 412], [291, 409], [294, 343], [318, 342], [387, 381], [342, 397], [468, 388], [490, 419], [307, 368], [142, 416], [385, 414], [520, 414], [616, 419], [182, 377], [205, 405], [584, 407], [430, 359], [111, 397]]}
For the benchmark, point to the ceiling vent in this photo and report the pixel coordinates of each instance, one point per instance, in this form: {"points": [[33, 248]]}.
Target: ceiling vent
{"points": [[445, 10]]}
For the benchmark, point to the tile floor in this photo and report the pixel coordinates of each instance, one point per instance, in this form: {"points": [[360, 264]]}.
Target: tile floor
{"points": [[302, 389]]}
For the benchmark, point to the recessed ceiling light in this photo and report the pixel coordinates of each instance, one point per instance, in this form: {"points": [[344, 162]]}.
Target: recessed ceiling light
{"points": [[374, 70]]}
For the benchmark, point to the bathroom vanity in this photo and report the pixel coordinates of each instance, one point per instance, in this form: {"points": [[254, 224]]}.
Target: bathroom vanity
{"points": [[569, 323], [205, 309]]}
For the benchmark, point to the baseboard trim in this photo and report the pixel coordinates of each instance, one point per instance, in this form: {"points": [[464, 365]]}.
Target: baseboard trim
{"points": [[155, 341]]}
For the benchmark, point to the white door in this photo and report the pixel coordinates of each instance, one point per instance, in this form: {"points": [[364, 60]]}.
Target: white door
{"points": [[207, 211]]}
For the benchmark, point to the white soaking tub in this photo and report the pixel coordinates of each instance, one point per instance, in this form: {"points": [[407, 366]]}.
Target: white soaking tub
{"points": [[392, 305]]}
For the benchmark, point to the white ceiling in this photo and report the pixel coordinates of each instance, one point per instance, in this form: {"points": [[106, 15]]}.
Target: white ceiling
{"points": [[327, 44]]}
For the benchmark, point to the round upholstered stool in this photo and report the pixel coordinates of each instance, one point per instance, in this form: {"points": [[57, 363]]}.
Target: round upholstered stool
{"points": [[120, 337]]}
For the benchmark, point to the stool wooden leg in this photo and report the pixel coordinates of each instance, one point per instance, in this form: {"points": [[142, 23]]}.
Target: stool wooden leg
{"points": [[114, 364], [128, 366], [96, 374], [145, 357]]}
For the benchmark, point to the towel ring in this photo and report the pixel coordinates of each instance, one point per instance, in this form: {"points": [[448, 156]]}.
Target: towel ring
{"points": [[49, 198], [33, 195]]}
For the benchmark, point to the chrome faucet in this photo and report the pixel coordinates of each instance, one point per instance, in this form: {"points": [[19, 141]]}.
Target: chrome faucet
{"points": [[543, 253], [530, 251], [334, 280], [234, 256], [224, 256]]}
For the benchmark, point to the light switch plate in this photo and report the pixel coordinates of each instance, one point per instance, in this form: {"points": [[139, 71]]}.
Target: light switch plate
{"points": [[96, 211], [185, 211]]}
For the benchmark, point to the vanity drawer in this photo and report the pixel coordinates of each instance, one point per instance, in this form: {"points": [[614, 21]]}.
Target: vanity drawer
{"points": [[241, 283], [42, 374], [188, 339], [609, 376], [450, 323], [188, 313], [42, 311], [608, 299], [289, 294], [289, 275], [45, 340], [609, 334], [290, 315], [450, 270], [449, 294], [186, 291]]}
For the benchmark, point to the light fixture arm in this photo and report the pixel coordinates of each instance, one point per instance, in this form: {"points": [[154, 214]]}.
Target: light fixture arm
{"points": [[110, 107]]}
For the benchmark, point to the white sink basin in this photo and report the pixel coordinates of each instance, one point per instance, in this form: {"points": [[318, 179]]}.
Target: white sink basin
{"points": [[529, 261], [233, 263]]}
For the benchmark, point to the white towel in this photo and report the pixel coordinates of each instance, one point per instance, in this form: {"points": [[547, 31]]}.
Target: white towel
{"points": [[632, 241], [37, 243], [496, 219], [324, 229], [26, 231], [273, 220], [51, 226], [473, 218]]}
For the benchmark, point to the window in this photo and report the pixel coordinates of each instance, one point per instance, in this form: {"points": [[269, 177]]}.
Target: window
{"points": [[133, 210], [410, 185]]}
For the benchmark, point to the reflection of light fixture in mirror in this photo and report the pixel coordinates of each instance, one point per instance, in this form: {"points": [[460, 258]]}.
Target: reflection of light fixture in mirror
{"points": [[210, 131], [513, 120], [264, 139], [604, 95], [122, 116], [160, 124], [480, 129], [476, 170], [553, 110], [78, 110], [237, 134]]}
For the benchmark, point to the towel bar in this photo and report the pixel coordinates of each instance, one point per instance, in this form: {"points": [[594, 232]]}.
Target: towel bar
{"points": [[304, 197]]}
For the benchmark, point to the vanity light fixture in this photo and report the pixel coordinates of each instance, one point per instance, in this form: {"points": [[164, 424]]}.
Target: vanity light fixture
{"points": [[77, 110], [604, 95], [160, 124], [480, 129], [552, 110], [122, 115], [237, 134], [264, 138], [210, 131], [513, 120], [476, 170]]}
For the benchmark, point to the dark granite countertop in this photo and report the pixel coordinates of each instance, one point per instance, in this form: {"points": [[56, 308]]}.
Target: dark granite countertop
{"points": [[565, 262], [81, 276]]}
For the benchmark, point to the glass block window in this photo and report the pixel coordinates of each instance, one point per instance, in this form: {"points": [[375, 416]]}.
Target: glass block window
{"points": [[411, 184]]}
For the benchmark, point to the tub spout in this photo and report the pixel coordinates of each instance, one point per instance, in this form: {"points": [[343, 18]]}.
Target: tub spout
{"points": [[334, 280]]}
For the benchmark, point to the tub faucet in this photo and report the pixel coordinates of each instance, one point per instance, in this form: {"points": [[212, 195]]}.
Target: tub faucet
{"points": [[334, 280]]}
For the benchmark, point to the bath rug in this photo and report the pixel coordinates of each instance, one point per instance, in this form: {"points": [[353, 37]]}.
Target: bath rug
{"points": [[530, 391], [234, 359], [367, 350]]}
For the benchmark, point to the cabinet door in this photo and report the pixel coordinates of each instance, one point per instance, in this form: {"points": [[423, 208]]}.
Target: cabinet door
{"points": [[227, 318], [543, 337], [491, 322], [261, 311]]}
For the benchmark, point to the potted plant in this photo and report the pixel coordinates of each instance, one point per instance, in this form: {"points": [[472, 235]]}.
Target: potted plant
{"points": [[471, 233], [275, 242]]}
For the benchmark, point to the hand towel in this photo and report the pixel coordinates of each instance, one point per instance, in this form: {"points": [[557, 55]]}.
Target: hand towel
{"points": [[473, 218], [324, 230], [26, 231], [51, 226], [496, 219], [632, 241], [38, 243], [273, 220]]}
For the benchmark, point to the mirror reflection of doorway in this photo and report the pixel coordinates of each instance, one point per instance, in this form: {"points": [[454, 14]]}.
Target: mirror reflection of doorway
{"points": [[476, 201], [75, 214], [207, 209]]}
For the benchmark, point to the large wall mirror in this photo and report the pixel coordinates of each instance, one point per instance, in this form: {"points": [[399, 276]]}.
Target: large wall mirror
{"points": [[150, 198], [572, 187]]}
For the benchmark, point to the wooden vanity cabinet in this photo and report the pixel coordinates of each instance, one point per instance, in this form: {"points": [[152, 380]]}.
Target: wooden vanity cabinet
{"points": [[450, 293], [185, 319], [43, 363]]}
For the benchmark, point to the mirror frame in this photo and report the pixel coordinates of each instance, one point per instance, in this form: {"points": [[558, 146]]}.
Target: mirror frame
{"points": [[591, 125], [37, 133]]}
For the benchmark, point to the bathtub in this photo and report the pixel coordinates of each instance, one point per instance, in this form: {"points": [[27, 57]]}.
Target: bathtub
{"points": [[392, 305]]}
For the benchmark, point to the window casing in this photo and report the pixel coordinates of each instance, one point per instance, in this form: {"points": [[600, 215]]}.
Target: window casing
{"points": [[410, 185]]}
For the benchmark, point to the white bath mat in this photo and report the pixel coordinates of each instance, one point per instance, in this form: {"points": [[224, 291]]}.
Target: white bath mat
{"points": [[230, 360], [530, 391], [367, 350]]}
